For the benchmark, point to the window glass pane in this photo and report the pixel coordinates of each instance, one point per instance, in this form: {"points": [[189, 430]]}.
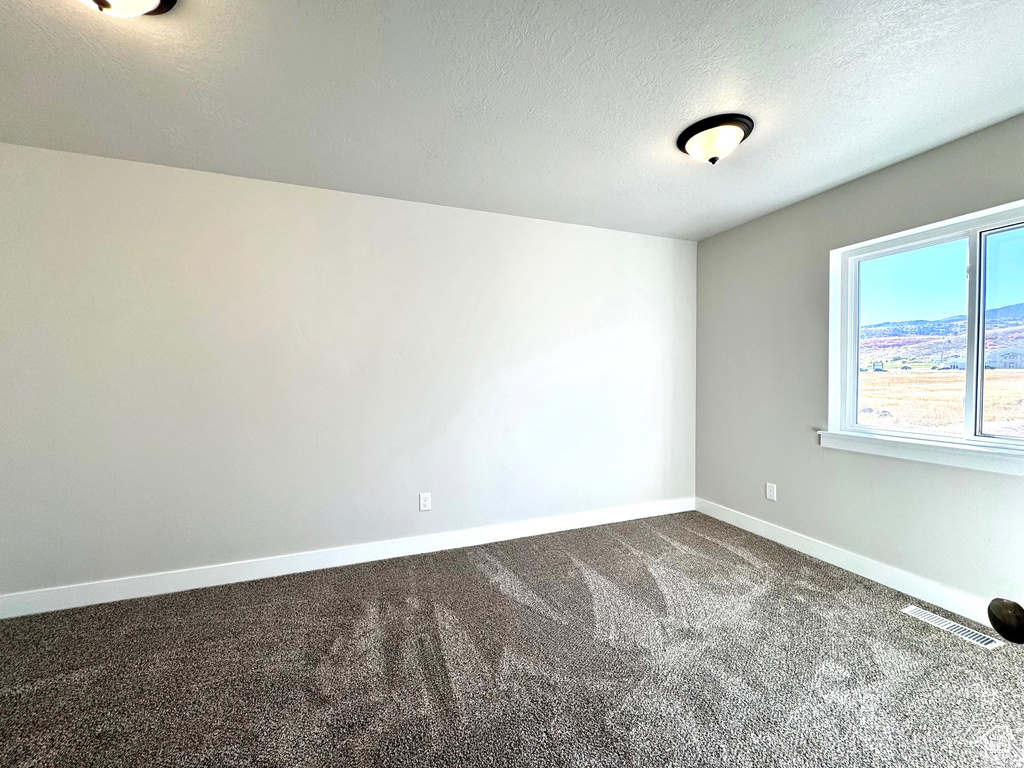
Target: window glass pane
{"points": [[913, 340], [1003, 393]]}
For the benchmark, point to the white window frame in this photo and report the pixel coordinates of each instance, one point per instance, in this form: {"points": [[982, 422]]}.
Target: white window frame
{"points": [[972, 449]]}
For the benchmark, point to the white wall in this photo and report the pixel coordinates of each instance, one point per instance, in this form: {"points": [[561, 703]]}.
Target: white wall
{"points": [[196, 368], [763, 372]]}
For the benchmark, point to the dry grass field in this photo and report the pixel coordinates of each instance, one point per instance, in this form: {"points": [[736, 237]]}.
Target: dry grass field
{"points": [[923, 400]]}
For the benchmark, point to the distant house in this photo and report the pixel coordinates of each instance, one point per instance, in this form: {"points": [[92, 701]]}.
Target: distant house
{"points": [[1005, 358], [956, 363]]}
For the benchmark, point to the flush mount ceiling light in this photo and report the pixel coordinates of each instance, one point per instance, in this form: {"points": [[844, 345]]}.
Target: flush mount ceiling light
{"points": [[1007, 618], [711, 139], [126, 9]]}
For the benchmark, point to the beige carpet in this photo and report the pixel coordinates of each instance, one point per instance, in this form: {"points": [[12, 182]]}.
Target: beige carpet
{"points": [[673, 641]]}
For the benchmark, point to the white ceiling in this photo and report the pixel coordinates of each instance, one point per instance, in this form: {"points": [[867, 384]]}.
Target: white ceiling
{"points": [[556, 109]]}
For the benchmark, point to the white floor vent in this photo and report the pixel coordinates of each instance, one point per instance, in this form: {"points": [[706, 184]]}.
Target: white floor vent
{"points": [[952, 627]]}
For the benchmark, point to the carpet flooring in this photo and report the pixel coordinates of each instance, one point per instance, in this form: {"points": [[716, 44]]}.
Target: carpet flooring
{"points": [[672, 641]]}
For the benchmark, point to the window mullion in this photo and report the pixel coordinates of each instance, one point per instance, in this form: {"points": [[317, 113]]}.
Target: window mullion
{"points": [[852, 344], [975, 349]]}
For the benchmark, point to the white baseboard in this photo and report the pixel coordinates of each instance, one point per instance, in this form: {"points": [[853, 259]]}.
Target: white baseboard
{"points": [[960, 603], [110, 590], [91, 593]]}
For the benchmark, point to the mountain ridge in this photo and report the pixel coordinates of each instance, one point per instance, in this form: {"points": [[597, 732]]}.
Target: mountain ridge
{"points": [[1011, 314]]}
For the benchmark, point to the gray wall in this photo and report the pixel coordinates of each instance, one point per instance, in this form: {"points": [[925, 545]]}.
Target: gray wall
{"points": [[196, 369], [762, 368]]}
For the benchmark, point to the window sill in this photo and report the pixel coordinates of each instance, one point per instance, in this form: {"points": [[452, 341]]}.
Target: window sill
{"points": [[1007, 461]]}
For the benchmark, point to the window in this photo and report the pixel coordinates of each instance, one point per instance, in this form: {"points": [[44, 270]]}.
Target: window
{"points": [[926, 350], [1002, 383]]}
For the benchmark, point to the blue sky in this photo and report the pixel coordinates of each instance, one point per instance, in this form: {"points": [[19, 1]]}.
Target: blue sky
{"points": [[930, 283], [1005, 269]]}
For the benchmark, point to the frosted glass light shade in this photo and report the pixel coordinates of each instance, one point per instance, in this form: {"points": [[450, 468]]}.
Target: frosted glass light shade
{"points": [[712, 145], [713, 138], [126, 9]]}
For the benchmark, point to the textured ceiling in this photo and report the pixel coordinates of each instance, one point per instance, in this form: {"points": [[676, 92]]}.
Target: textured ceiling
{"points": [[556, 109]]}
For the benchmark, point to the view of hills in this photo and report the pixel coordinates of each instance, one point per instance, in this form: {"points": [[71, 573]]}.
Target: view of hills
{"points": [[998, 317], [930, 340]]}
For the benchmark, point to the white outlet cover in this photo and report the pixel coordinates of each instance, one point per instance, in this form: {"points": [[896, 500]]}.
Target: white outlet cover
{"points": [[424, 502], [770, 492]]}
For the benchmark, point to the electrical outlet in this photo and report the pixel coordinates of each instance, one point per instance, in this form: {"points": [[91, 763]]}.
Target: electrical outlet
{"points": [[770, 493], [424, 502]]}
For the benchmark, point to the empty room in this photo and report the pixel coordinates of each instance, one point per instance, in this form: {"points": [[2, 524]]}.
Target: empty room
{"points": [[448, 383]]}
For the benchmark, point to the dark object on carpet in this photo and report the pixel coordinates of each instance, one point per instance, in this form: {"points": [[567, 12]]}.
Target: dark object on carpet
{"points": [[671, 641], [1007, 618]]}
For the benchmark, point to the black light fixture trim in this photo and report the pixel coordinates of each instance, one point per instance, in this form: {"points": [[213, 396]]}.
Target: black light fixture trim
{"points": [[1007, 618], [164, 7], [733, 118]]}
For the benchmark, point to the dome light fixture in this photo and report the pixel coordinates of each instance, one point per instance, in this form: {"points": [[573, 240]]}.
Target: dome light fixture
{"points": [[711, 139], [1007, 618], [128, 9]]}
